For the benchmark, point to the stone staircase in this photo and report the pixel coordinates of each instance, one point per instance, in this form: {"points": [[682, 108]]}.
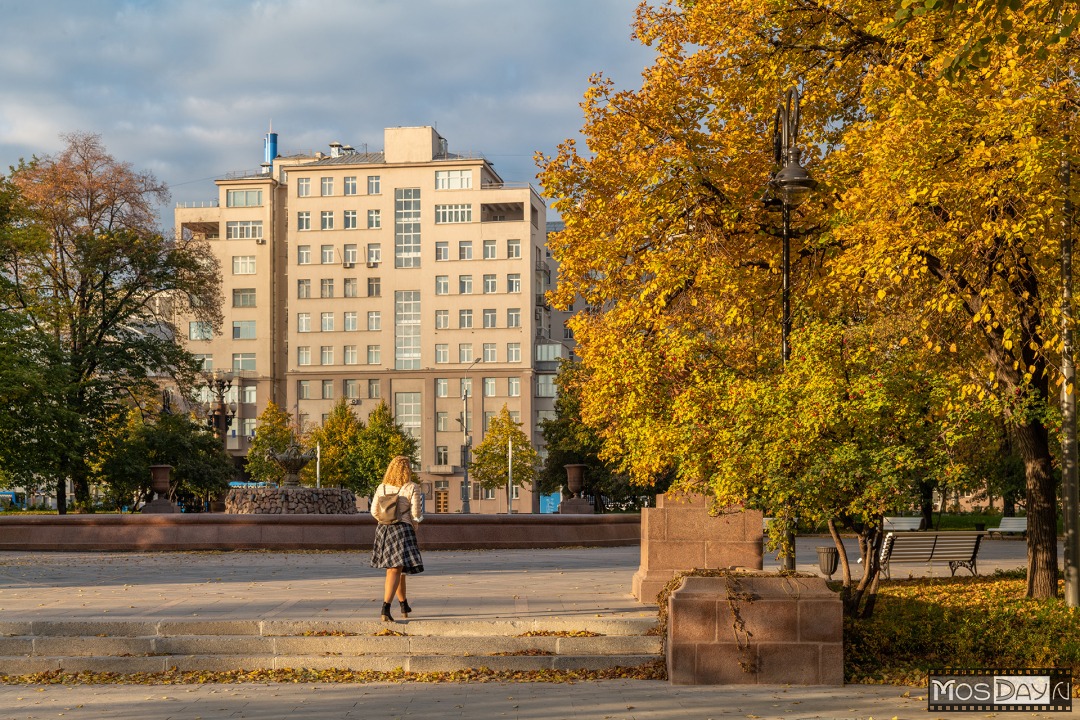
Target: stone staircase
{"points": [[416, 646]]}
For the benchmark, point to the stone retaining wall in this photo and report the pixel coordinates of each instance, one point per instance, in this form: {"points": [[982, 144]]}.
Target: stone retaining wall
{"points": [[216, 531], [290, 501], [747, 630]]}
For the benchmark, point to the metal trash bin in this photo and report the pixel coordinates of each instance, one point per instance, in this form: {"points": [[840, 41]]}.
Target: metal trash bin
{"points": [[828, 558]]}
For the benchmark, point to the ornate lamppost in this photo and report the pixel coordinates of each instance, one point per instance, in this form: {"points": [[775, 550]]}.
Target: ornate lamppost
{"points": [[219, 414], [791, 185]]}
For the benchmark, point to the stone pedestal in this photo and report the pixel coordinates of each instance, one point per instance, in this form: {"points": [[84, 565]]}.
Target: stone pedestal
{"points": [[748, 630], [576, 506], [679, 535]]}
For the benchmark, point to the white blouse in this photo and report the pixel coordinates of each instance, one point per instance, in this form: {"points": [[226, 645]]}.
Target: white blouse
{"points": [[410, 501]]}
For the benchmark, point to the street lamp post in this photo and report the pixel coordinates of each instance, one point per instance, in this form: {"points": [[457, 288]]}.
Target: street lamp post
{"points": [[219, 414], [793, 185], [466, 444]]}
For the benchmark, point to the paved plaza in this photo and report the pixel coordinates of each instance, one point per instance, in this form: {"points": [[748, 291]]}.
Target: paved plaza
{"points": [[498, 584]]}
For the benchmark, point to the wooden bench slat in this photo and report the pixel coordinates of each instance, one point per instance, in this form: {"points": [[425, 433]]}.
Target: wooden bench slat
{"points": [[959, 549]]}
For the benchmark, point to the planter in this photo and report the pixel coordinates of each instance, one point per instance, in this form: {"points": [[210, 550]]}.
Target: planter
{"points": [[828, 558]]}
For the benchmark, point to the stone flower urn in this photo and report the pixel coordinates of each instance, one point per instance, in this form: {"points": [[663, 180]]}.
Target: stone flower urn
{"points": [[159, 483], [292, 460], [575, 483]]}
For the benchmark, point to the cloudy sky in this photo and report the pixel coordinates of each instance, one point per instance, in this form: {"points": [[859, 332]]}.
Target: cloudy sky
{"points": [[187, 88]]}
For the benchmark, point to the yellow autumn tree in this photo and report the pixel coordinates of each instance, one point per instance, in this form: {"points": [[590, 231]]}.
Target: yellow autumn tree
{"points": [[939, 201]]}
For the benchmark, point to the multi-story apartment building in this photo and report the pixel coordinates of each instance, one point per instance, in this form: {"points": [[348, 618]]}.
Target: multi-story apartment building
{"points": [[413, 276]]}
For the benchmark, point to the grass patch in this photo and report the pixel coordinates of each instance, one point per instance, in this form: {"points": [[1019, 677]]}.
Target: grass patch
{"points": [[969, 622]]}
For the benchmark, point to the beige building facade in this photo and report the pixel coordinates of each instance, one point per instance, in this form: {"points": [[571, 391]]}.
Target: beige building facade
{"points": [[414, 276]]}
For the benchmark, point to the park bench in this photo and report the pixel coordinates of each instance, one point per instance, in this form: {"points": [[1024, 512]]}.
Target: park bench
{"points": [[893, 524], [959, 549], [1010, 525]]}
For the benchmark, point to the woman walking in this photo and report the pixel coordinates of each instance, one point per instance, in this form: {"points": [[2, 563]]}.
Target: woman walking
{"points": [[395, 546]]}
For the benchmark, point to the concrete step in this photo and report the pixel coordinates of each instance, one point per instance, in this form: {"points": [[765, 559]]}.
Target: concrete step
{"points": [[415, 646]]}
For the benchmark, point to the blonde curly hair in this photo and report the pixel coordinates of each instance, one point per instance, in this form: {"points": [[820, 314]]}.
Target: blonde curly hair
{"points": [[399, 472]]}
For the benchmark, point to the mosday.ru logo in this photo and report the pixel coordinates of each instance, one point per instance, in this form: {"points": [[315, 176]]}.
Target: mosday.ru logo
{"points": [[1018, 690]]}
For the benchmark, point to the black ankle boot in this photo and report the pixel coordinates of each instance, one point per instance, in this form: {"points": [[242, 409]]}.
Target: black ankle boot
{"points": [[405, 609], [386, 613]]}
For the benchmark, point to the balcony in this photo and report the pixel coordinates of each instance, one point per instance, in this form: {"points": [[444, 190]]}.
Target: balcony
{"points": [[444, 470]]}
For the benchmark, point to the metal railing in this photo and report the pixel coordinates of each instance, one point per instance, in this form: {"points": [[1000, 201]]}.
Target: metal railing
{"points": [[199, 204]]}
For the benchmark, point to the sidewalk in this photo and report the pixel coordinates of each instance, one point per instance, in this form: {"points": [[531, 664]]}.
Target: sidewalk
{"points": [[575, 582]]}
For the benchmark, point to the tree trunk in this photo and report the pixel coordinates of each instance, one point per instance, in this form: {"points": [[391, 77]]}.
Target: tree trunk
{"points": [[61, 496], [926, 503], [1033, 441]]}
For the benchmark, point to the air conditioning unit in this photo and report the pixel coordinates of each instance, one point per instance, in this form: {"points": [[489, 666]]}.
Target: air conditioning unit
{"points": [[354, 401], [373, 264], [260, 241], [348, 265]]}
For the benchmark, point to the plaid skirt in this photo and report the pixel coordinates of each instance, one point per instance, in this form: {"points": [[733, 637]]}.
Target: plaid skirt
{"points": [[396, 546]]}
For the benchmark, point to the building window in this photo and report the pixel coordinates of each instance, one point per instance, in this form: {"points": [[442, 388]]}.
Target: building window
{"points": [[243, 361], [513, 352], [407, 330], [350, 185], [303, 187], [489, 318], [303, 389], [244, 230], [465, 284], [243, 330], [513, 249], [374, 185], [442, 251], [349, 220], [465, 353], [303, 355], [513, 317], [407, 227], [465, 386], [303, 254], [453, 179], [200, 331], [326, 288], [204, 362], [243, 198], [243, 264], [351, 357], [303, 322], [374, 355], [490, 353], [349, 255], [442, 285], [351, 287], [327, 186], [326, 354], [374, 320], [464, 319], [489, 387], [442, 455], [303, 289], [303, 220], [442, 421], [374, 253], [407, 412], [567, 333], [326, 218], [326, 253], [442, 387], [513, 283], [247, 395], [374, 287], [327, 322], [373, 390], [464, 250], [488, 417], [374, 219], [459, 213], [350, 389], [243, 297], [545, 386], [489, 250], [442, 319], [513, 387], [350, 321], [442, 353], [489, 284]]}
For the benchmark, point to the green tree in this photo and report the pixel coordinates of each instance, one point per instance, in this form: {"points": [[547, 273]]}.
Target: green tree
{"points": [[381, 439], [273, 431], [338, 440], [98, 287], [490, 462]]}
